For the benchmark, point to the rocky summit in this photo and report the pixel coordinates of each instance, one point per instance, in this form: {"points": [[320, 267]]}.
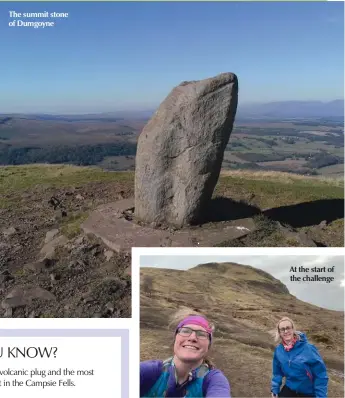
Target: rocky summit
{"points": [[181, 149]]}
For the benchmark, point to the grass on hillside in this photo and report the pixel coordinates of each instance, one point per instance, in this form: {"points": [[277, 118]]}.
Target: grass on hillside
{"points": [[24, 177], [271, 189], [274, 189], [16, 179]]}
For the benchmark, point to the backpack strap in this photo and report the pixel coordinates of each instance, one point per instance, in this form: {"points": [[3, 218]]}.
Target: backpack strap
{"points": [[149, 383], [166, 363], [203, 370]]}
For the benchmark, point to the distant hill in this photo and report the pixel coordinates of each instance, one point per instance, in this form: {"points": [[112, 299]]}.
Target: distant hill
{"points": [[276, 109], [293, 109], [83, 117], [245, 303]]}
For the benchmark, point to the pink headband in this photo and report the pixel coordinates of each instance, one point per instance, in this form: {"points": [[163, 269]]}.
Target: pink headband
{"points": [[196, 320]]}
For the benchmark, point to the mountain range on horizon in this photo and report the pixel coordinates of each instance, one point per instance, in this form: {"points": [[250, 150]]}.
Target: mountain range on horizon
{"points": [[274, 109], [293, 109]]}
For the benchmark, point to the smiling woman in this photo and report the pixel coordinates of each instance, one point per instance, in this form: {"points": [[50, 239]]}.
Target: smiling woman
{"points": [[299, 362], [188, 373]]}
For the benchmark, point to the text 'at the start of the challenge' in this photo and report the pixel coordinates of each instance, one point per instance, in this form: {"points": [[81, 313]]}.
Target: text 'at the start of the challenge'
{"points": [[314, 274], [35, 19]]}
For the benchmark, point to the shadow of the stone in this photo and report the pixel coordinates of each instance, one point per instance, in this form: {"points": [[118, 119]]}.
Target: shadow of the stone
{"points": [[308, 213], [225, 209], [299, 215]]}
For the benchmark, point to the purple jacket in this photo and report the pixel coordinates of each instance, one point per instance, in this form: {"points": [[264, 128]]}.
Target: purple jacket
{"points": [[215, 384]]}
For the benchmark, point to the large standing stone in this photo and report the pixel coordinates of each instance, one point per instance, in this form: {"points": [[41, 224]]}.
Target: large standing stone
{"points": [[180, 151]]}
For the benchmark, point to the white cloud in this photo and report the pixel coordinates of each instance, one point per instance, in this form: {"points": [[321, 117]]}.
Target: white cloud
{"points": [[332, 296], [317, 261]]}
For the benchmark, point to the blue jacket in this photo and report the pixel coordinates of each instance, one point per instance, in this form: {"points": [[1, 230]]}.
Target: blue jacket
{"points": [[157, 379], [303, 368]]}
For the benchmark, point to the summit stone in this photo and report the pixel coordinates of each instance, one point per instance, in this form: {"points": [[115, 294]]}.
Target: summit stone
{"points": [[180, 151]]}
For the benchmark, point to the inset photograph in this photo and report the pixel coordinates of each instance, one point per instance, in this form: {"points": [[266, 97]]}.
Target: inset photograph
{"points": [[241, 326]]}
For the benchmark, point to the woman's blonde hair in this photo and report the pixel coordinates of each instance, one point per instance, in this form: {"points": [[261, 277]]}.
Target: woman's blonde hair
{"points": [[182, 313], [277, 336]]}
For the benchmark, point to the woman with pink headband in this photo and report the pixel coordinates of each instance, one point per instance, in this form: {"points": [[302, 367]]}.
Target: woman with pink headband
{"points": [[188, 373]]}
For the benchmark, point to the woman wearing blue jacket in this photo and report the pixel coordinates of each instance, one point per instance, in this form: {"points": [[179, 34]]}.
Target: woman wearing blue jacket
{"points": [[299, 362]]}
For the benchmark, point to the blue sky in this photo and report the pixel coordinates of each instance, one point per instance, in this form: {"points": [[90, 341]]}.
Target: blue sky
{"points": [[122, 56]]}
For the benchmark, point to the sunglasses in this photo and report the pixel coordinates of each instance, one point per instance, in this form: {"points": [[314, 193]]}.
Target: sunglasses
{"points": [[287, 329], [200, 334]]}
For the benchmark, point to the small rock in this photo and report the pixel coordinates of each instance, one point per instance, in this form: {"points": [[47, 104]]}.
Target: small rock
{"points": [[59, 214], [96, 251], [155, 225], [110, 306], [50, 235], [48, 254], [17, 248], [79, 197], [15, 299], [54, 202], [108, 254], [323, 224], [72, 264], [300, 238], [88, 299], [48, 250], [4, 246], [76, 265], [79, 240], [5, 278], [81, 248], [36, 267], [23, 296], [9, 232], [39, 293], [81, 263], [53, 278], [8, 313], [5, 272], [49, 262]]}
